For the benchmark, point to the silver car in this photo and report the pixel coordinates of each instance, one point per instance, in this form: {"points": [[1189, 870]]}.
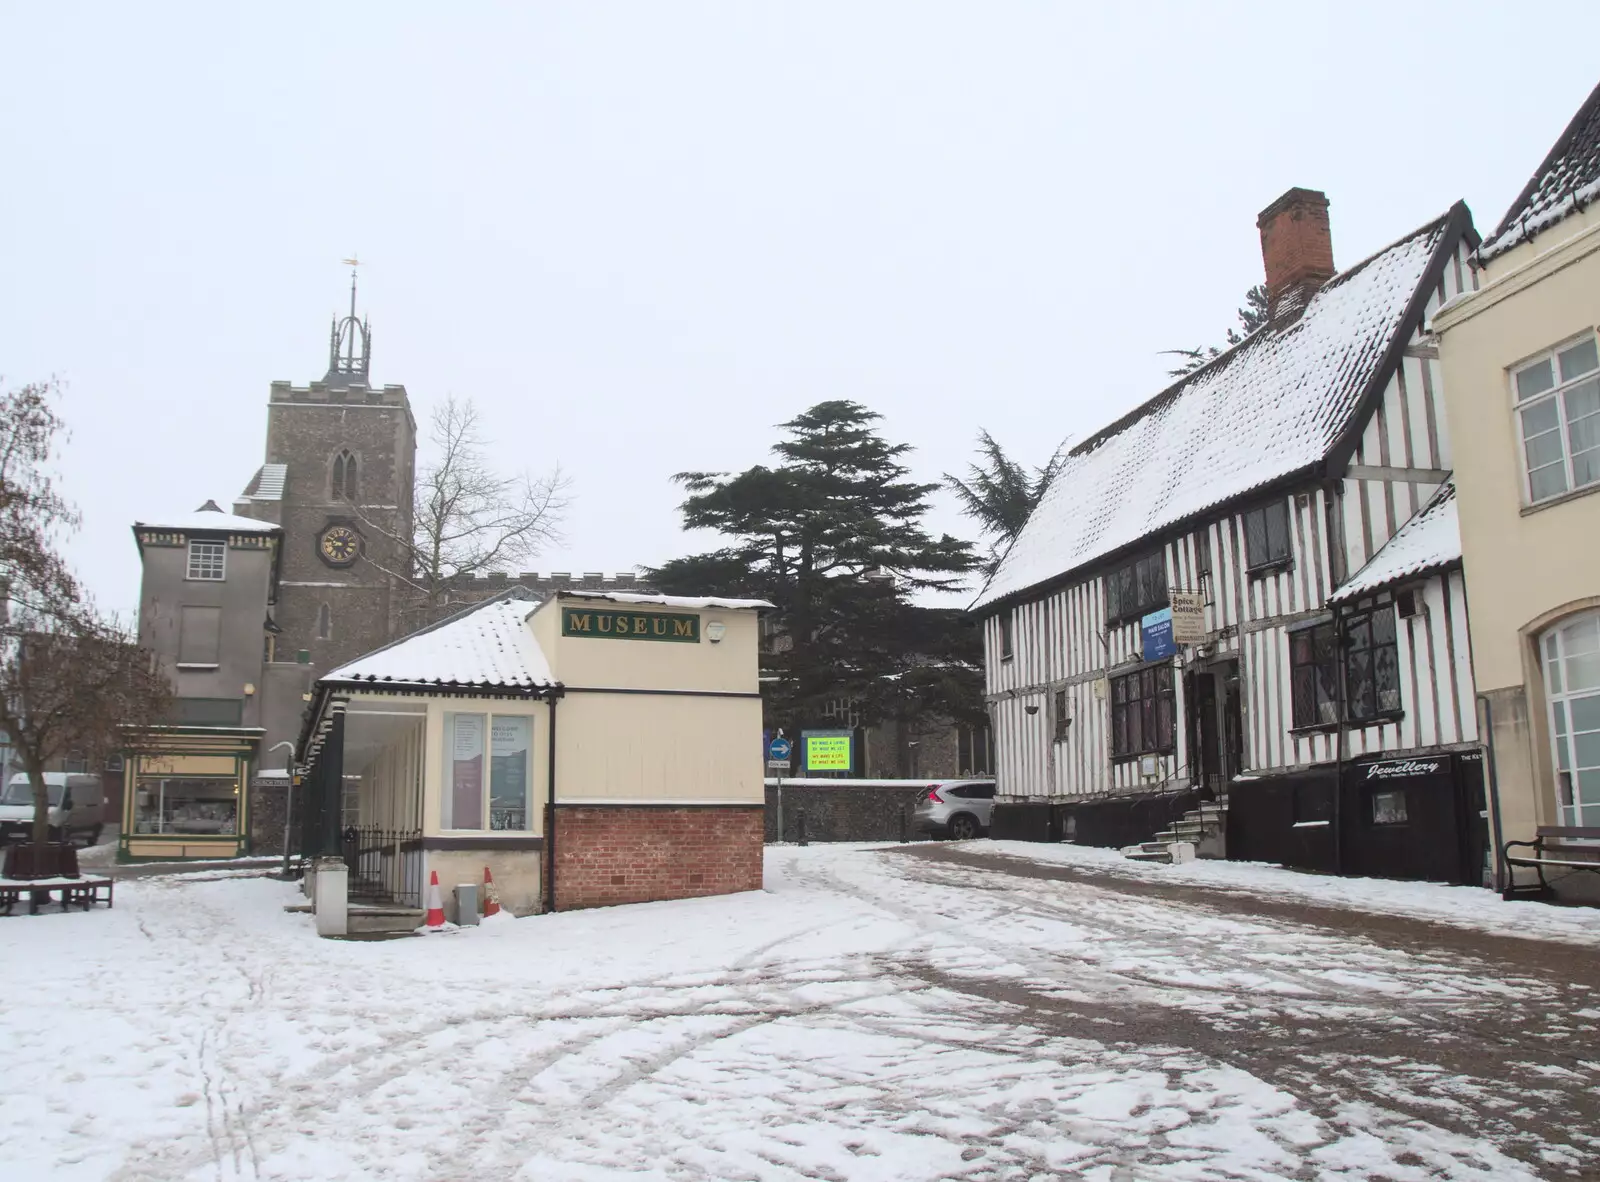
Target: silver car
{"points": [[955, 808]]}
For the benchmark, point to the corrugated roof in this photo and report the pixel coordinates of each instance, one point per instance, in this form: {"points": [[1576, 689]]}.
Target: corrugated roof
{"points": [[489, 646], [1566, 181], [1272, 406], [1429, 541], [267, 484], [208, 519]]}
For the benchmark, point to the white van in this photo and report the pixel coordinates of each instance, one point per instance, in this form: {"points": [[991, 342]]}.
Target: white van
{"points": [[77, 807]]}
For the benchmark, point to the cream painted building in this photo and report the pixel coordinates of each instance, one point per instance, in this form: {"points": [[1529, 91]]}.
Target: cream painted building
{"points": [[593, 748], [1521, 363]]}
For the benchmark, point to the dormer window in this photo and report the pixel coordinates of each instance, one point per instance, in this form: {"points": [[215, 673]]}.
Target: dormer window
{"points": [[208, 560], [344, 477]]}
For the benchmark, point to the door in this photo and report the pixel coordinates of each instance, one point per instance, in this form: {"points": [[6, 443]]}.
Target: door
{"points": [[1232, 725], [1205, 738]]}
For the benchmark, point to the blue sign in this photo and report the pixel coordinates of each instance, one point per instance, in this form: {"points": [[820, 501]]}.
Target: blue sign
{"points": [[779, 749], [1155, 632]]}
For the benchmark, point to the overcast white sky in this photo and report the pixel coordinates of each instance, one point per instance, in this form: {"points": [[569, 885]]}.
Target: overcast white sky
{"points": [[639, 234]]}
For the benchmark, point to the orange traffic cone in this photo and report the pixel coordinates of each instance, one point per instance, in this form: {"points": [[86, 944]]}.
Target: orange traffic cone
{"points": [[491, 897], [435, 920]]}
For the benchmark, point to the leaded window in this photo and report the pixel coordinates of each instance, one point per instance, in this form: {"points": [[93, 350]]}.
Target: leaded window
{"points": [[1137, 588], [1314, 676], [1371, 665], [1266, 536], [1142, 711], [1558, 411]]}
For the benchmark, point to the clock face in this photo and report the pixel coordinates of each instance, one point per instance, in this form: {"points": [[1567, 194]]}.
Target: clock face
{"points": [[339, 545]]}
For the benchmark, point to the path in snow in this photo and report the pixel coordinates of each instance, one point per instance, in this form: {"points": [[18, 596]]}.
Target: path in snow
{"points": [[937, 1012]]}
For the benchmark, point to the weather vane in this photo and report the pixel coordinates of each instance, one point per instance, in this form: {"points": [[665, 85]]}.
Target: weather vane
{"points": [[352, 262]]}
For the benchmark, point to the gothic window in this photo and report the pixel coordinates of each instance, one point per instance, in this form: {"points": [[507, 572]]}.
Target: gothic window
{"points": [[324, 622], [344, 477]]}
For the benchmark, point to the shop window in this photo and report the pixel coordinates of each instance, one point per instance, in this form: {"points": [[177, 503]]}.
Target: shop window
{"points": [[207, 806], [1135, 589], [1266, 536], [1371, 666], [208, 561], [504, 803], [1314, 676], [1389, 807], [1142, 712], [1558, 412], [1571, 655]]}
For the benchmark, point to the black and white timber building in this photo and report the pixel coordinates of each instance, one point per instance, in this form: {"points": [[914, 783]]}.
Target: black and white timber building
{"points": [[1299, 485]]}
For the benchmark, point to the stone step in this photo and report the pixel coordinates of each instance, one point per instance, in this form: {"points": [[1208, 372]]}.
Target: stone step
{"points": [[1136, 854], [365, 920]]}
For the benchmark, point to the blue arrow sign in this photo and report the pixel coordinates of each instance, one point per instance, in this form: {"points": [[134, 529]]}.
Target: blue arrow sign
{"points": [[779, 749]]}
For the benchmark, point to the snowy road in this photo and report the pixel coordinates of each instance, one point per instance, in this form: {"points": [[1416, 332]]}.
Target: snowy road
{"points": [[987, 1011]]}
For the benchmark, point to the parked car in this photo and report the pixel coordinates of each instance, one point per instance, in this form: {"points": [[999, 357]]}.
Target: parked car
{"points": [[77, 807], [955, 808]]}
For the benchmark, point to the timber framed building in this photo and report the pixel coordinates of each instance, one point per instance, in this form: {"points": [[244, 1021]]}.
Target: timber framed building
{"points": [[1296, 490]]}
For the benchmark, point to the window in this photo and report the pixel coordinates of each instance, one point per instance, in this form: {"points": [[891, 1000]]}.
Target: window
{"points": [[1266, 536], [465, 805], [1063, 720], [344, 477], [1572, 678], [1137, 588], [207, 560], [1314, 676], [194, 805], [199, 635], [1371, 665], [1389, 807], [75, 762], [1006, 636], [1142, 711], [973, 751], [1558, 408]]}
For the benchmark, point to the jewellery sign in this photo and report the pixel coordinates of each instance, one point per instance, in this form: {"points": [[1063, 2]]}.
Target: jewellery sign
{"points": [[624, 625]]}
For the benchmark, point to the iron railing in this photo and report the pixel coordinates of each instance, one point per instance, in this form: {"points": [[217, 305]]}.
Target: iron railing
{"points": [[385, 865]]}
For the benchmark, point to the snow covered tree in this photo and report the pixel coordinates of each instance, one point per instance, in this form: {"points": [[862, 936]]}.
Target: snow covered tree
{"points": [[1000, 494], [832, 534], [71, 678], [1251, 317]]}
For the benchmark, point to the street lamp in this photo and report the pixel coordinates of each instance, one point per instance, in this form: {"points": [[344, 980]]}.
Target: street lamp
{"points": [[288, 803]]}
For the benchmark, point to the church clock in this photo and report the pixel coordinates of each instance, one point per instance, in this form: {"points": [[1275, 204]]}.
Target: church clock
{"points": [[339, 545]]}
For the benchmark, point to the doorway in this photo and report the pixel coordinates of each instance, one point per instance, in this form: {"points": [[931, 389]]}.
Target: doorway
{"points": [[1216, 734]]}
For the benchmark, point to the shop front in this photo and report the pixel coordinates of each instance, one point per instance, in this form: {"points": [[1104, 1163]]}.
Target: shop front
{"points": [[184, 794]]}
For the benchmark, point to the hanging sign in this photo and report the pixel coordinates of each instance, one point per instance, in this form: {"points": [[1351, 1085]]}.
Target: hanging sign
{"points": [[1188, 617], [826, 751], [1155, 633], [606, 624]]}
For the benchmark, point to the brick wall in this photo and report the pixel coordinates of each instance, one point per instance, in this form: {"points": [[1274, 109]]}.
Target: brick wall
{"points": [[606, 856]]}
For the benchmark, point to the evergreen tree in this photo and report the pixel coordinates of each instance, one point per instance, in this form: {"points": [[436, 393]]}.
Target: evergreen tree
{"points": [[832, 534], [1000, 494], [1251, 317]]}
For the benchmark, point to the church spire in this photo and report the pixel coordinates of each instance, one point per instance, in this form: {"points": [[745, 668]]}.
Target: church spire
{"points": [[350, 344]]}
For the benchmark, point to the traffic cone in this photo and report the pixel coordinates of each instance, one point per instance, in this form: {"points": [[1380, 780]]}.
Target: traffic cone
{"points": [[491, 897], [436, 921]]}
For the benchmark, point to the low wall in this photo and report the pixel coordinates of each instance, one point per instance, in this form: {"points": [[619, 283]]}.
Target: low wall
{"points": [[841, 810], [1110, 822]]}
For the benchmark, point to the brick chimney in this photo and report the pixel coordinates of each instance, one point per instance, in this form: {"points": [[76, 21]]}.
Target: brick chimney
{"points": [[1297, 248]]}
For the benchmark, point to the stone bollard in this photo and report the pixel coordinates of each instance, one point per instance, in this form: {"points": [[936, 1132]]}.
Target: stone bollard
{"points": [[1182, 851], [332, 898]]}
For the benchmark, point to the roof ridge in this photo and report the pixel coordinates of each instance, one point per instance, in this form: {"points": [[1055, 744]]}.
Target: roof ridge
{"points": [[1151, 404], [1514, 213]]}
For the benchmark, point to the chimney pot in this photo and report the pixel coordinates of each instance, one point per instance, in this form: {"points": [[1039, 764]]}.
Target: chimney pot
{"points": [[1297, 250]]}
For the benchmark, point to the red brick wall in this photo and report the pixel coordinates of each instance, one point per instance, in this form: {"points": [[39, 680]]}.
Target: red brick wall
{"points": [[635, 855]]}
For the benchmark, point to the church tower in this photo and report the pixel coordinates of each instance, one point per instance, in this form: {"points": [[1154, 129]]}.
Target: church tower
{"points": [[338, 479]]}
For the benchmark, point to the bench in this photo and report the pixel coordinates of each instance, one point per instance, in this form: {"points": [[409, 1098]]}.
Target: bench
{"points": [[1561, 846], [83, 892]]}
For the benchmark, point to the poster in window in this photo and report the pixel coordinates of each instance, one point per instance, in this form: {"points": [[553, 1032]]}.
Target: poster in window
{"points": [[465, 800], [508, 772]]}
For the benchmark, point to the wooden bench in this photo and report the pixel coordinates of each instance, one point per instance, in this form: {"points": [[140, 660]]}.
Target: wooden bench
{"points": [[1553, 845], [83, 892]]}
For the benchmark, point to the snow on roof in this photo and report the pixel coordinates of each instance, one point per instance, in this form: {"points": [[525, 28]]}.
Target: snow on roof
{"points": [[1267, 408], [1567, 181], [687, 602], [267, 485], [1429, 540], [208, 519], [488, 646]]}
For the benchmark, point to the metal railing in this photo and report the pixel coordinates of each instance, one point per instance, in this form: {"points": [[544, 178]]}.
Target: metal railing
{"points": [[385, 865]]}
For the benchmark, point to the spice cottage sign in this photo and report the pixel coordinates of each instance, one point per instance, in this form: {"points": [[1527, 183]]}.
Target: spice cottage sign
{"points": [[624, 625]]}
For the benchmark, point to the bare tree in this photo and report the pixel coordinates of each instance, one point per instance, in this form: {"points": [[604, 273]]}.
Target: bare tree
{"points": [[71, 679], [469, 519]]}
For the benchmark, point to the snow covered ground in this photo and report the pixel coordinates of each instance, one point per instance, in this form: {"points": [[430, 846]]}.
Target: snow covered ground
{"points": [[874, 1014]]}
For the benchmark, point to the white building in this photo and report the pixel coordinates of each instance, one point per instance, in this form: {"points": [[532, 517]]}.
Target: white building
{"points": [[1298, 485]]}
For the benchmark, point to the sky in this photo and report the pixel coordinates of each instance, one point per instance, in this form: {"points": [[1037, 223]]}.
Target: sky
{"points": [[639, 235]]}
